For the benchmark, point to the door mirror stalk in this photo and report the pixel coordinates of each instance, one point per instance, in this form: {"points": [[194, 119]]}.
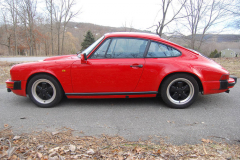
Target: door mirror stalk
{"points": [[83, 58]]}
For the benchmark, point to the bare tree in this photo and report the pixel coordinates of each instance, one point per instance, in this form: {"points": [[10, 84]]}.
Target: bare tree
{"points": [[11, 7], [166, 7], [28, 14], [202, 15], [127, 28], [24, 30], [235, 11], [7, 35], [50, 7], [63, 14], [68, 15], [13, 10], [58, 14]]}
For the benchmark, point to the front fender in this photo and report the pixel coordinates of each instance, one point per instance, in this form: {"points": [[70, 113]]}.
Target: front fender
{"points": [[62, 72]]}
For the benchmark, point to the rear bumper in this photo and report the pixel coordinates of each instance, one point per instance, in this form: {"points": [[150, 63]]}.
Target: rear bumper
{"points": [[17, 87], [212, 87], [226, 84]]}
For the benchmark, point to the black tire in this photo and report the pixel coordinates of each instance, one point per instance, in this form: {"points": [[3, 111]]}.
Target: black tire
{"points": [[179, 90], [44, 91]]}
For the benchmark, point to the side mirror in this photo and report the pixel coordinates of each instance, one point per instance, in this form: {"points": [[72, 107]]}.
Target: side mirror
{"points": [[83, 58]]}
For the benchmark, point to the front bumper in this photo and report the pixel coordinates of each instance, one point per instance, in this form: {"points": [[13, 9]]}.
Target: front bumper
{"points": [[226, 84], [13, 85], [17, 87]]}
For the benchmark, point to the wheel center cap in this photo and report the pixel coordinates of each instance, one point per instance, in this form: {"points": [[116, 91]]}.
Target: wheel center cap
{"points": [[180, 91]]}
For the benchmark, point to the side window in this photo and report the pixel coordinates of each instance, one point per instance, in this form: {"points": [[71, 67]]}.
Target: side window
{"points": [[159, 50], [126, 48], [100, 53]]}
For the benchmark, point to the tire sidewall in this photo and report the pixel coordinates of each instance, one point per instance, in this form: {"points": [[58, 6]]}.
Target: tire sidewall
{"points": [[171, 78], [53, 81]]}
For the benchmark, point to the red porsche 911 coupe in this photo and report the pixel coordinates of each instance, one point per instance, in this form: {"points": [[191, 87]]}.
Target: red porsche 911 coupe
{"points": [[122, 65]]}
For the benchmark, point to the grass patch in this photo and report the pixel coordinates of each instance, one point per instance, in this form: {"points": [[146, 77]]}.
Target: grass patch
{"points": [[231, 64], [5, 71]]}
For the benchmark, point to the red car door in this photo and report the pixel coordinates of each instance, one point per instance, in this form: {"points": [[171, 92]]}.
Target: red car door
{"points": [[116, 66], [106, 75]]}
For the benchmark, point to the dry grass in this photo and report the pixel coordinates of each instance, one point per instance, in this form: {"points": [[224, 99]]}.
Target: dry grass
{"points": [[231, 64], [63, 145], [5, 71]]}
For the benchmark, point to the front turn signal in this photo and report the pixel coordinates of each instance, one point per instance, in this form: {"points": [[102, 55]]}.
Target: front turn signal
{"points": [[10, 85]]}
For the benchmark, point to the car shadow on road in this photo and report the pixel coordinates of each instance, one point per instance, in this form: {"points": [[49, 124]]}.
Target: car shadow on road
{"points": [[132, 102], [205, 102], [156, 102]]}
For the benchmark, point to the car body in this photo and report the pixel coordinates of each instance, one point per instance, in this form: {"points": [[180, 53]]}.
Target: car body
{"points": [[122, 65]]}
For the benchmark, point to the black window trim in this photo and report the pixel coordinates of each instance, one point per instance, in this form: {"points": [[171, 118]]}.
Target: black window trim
{"points": [[99, 47], [108, 48], [145, 55], [145, 52], [90, 53]]}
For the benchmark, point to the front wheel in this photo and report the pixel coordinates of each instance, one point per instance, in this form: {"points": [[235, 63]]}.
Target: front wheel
{"points": [[179, 90], [44, 91]]}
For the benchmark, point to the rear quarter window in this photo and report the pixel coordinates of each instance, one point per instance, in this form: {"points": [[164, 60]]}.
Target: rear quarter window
{"points": [[158, 50]]}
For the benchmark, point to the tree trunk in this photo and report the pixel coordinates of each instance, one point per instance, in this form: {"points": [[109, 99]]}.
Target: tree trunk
{"points": [[9, 46], [58, 39], [51, 26], [64, 27]]}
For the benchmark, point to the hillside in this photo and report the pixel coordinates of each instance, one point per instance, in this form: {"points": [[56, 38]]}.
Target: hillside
{"points": [[211, 41], [219, 38], [80, 29], [75, 35]]}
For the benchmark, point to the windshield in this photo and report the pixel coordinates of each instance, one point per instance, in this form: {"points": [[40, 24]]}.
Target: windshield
{"points": [[92, 46]]}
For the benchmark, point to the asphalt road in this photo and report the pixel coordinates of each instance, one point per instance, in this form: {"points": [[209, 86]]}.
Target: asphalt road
{"points": [[210, 116]]}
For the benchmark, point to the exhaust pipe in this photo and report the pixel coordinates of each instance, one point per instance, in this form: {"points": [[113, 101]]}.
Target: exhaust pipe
{"points": [[227, 91]]}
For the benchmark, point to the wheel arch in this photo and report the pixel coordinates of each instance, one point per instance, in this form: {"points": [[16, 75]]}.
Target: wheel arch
{"points": [[191, 74], [33, 75]]}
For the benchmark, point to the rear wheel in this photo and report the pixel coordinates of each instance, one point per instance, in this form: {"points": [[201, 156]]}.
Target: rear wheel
{"points": [[179, 90], [44, 90]]}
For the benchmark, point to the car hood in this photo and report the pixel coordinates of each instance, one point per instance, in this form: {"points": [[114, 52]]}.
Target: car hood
{"points": [[61, 58]]}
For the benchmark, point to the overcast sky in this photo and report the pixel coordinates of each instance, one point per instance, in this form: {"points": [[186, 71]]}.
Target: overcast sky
{"points": [[140, 14]]}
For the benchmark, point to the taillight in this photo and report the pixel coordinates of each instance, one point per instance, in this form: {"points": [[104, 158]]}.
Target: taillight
{"points": [[224, 77]]}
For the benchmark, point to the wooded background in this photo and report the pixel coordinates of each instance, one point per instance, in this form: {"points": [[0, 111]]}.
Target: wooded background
{"points": [[31, 30]]}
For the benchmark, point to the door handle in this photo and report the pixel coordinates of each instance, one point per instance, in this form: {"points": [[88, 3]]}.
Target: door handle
{"points": [[139, 66]]}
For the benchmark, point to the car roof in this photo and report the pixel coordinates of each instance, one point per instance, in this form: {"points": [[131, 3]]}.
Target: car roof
{"points": [[151, 36], [133, 34]]}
